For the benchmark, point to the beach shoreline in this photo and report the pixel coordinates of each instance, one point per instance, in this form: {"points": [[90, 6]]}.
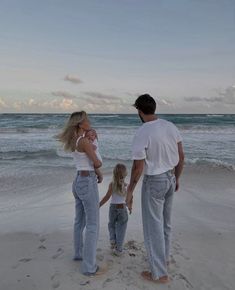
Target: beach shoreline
{"points": [[36, 244]]}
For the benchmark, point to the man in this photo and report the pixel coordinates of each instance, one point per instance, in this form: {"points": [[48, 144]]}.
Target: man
{"points": [[157, 148]]}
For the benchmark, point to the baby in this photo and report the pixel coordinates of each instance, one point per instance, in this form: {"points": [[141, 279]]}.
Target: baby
{"points": [[91, 135]]}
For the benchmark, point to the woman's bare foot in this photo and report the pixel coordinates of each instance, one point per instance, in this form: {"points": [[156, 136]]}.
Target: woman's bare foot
{"points": [[148, 276]]}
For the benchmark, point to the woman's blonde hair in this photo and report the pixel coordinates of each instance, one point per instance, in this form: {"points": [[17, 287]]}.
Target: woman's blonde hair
{"points": [[68, 135], [119, 174]]}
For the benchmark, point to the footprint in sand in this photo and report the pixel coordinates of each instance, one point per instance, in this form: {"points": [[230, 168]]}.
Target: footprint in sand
{"points": [[187, 283], [60, 251], [55, 281], [100, 257], [25, 260], [132, 245], [109, 262], [107, 281], [42, 240], [132, 254], [83, 283], [42, 247]]}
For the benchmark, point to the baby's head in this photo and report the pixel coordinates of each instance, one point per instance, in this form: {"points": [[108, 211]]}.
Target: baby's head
{"points": [[91, 134]]}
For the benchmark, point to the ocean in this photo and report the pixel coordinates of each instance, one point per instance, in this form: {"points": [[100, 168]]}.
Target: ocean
{"points": [[27, 140]]}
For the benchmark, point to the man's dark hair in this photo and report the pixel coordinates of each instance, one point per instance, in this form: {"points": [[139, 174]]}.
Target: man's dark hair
{"points": [[146, 104]]}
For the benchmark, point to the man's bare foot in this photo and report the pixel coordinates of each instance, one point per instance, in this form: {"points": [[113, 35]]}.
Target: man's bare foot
{"points": [[148, 276], [101, 270]]}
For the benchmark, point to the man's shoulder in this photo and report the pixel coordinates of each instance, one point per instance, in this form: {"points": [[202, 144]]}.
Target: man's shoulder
{"points": [[141, 129], [167, 123]]}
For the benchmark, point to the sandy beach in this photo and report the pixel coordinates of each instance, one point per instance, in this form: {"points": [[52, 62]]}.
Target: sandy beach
{"points": [[36, 229]]}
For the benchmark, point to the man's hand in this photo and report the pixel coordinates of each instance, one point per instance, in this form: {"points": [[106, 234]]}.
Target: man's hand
{"points": [[177, 185], [136, 171], [129, 202]]}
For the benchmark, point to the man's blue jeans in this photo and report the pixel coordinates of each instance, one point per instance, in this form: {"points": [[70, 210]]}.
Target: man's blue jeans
{"points": [[157, 198], [86, 195], [118, 218]]}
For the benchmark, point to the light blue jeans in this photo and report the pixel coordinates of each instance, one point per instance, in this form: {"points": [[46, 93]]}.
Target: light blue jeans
{"points": [[118, 218], [86, 195], [157, 198]]}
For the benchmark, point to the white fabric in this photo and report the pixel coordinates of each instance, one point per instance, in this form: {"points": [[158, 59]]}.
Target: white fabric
{"points": [[82, 161], [157, 142], [97, 152], [117, 199]]}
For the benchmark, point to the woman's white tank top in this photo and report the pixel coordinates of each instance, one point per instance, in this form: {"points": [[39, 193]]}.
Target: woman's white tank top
{"points": [[82, 161]]}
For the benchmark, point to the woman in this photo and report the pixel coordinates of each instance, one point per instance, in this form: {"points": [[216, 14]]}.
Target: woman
{"points": [[85, 190]]}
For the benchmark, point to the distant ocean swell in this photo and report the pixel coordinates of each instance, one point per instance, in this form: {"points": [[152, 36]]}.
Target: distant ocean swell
{"points": [[28, 139], [59, 158]]}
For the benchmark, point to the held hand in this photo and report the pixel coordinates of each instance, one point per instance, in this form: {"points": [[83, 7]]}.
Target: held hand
{"points": [[177, 185], [129, 202], [99, 178]]}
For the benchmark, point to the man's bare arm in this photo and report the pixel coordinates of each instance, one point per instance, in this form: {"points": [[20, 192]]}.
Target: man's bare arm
{"points": [[136, 171], [179, 167]]}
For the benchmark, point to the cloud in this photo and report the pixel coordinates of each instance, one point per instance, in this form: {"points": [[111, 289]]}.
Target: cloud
{"points": [[193, 99], [32, 102], [104, 99], [63, 94], [159, 100], [226, 97], [66, 104], [98, 95], [32, 105], [163, 102], [73, 79], [3, 104]]}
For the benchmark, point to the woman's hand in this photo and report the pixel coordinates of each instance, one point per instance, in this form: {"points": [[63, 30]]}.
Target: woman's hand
{"points": [[99, 178], [99, 175]]}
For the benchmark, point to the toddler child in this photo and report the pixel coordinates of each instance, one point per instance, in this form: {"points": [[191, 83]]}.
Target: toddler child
{"points": [[118, 215]]}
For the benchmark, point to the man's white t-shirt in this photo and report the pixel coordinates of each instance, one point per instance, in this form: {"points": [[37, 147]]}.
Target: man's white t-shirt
{"points": [[157, 142]]}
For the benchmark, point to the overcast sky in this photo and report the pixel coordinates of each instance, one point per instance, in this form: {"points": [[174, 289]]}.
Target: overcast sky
{"points": [[95, 55]]}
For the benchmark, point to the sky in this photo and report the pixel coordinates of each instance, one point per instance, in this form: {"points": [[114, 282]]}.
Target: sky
{"points": [[99, 55]]}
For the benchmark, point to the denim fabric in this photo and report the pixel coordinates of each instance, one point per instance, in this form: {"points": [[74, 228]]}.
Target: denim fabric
{"points": [[118, 218], [85, 191], [157, 198]]}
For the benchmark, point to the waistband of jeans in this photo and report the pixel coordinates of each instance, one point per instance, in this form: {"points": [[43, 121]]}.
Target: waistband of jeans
{"points": [[167, 173], [118, 205], [85, 173]]}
